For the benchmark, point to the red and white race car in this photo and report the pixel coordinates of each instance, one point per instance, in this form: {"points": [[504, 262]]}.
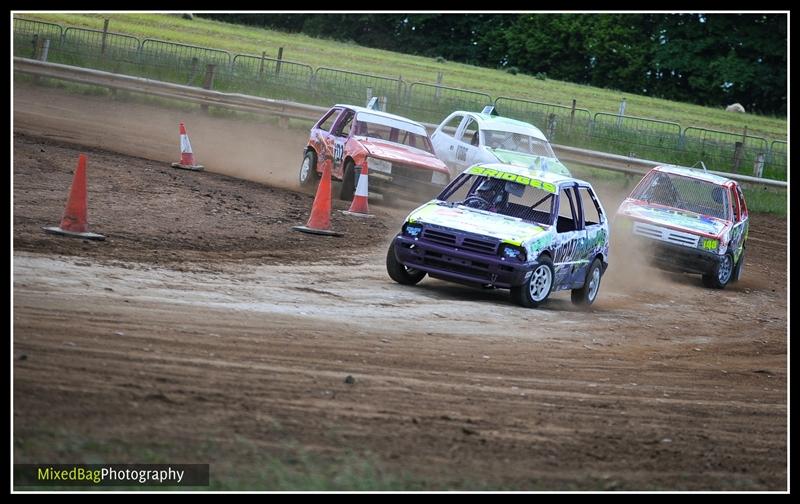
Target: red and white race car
{"points": [[396, 151]]}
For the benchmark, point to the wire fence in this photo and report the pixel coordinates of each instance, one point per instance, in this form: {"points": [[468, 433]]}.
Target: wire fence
{"points": [[432, 103], [354, 87], [264, 76], [560, 123]]}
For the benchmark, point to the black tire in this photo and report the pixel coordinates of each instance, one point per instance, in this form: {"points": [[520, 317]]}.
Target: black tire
{"points": [[721, 275], [537, 287], [308, 169], [348, 182], [398, 272], [737, 271], [587, 294]]}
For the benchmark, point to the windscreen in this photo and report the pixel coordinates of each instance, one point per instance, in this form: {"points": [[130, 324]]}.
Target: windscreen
{"points": [[392, 130], [684, 193], [505, 197], [517, 142]]}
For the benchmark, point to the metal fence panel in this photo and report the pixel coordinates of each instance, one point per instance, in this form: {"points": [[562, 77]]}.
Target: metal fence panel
{"points": [[109, 51], [432, 103], [333, 85], [777, 160], [567, 125], [635, 136], [270, 77], [717, 149], [181, 63], [184, 53], [26, 32]]}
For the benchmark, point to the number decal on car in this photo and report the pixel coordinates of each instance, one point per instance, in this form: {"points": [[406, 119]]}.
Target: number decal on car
{"points": [[338, 153], [461, 153]]}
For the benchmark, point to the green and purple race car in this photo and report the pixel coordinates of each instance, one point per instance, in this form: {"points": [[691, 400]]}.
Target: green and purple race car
{"points": [[526, 229]]}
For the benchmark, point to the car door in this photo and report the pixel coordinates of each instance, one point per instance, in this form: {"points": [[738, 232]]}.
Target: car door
{"points": [[467, 144], [444, 142], [595, 227], [338, 136], [570, 239], [740, 222], [323, 141]]}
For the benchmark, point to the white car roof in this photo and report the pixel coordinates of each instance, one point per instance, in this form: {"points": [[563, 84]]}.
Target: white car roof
{"points": [[379, 113], [486, 121], [694, 173]]}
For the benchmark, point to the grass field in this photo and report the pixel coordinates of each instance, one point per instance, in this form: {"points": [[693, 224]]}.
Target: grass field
{"points": [[348, 56]]}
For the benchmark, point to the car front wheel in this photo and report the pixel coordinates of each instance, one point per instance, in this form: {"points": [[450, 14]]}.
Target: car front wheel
{"points": [[399, 272], [721, 274], [535, 290]]}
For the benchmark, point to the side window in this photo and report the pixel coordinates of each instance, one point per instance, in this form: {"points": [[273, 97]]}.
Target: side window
{"points": [[452, 125], [743, 205], [737, 212], [343, 128], [591, 210], [470, 134], [567, 211], [326, 123]]}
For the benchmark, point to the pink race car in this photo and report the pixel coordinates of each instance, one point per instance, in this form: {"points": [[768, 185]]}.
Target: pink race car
{"points": [[396, 151], [691, 221]]}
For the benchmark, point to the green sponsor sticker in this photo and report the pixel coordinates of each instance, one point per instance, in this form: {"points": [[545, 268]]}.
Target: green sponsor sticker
{"points": [[513, 177]]}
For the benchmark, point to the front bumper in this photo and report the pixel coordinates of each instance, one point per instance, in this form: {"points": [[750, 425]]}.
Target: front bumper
{"points": [[455, 265], [682, 259]]}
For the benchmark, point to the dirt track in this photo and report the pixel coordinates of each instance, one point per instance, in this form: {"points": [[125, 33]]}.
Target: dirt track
{"points": [[203, 330]]}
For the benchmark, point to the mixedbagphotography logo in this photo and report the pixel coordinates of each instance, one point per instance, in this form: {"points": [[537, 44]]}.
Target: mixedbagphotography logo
{"points": [[100, 475]]}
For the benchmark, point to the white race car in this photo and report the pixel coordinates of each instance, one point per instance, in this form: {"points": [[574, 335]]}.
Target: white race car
{"points": [[467, 138]]}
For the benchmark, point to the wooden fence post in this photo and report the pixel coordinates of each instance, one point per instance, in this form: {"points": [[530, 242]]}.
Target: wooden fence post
{"points": [[208, 82], [278, 64], [261, 66], [571, 117], [737, 156], [103, 41], [551, 127], [758, 167]]}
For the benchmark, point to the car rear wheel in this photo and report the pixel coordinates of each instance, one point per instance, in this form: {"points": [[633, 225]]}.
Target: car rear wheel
{"points": [[721, 275], [586, 295], [308, 169], [535, 290], [399, 272]]}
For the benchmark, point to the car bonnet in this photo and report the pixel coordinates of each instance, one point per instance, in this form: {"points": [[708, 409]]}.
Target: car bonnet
{"points": [[506, 229], [519, 159], [687, 221]]}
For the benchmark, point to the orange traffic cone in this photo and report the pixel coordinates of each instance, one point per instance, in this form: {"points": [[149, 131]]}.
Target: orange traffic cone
{"points": [[360, 207], [74, 222], [187, 157], [320, 220]]}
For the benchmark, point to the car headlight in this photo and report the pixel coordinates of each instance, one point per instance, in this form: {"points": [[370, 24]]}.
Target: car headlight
{"points": [[380, 165], [412, 230], [440, 178], [510, 252]]}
